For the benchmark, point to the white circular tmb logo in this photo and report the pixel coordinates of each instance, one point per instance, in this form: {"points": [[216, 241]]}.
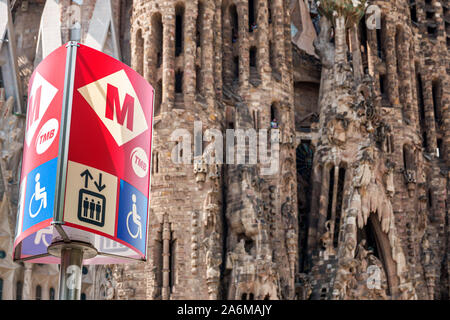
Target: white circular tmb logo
{"points": [[46, 135], [139, 161]]}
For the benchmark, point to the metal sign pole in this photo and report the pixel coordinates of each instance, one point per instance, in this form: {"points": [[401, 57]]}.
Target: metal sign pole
{"points": [[70, 273], [72, 255]]}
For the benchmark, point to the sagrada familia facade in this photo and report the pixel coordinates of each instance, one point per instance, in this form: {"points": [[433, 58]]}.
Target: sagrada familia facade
{"points": [[357, 96]]}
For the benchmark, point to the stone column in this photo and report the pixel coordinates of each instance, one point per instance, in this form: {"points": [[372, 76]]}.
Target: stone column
{"points": [[263, 40], [391, 64], [278, 33], [190, 52], [323, 201], [218, 50], [340, 40], [227, 48], [244, 55], [208, 53], [356, 54], [168, 76], [166, 258]]}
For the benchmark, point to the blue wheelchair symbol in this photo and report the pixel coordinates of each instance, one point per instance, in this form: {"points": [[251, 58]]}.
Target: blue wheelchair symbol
{"points": [[39, 194]]}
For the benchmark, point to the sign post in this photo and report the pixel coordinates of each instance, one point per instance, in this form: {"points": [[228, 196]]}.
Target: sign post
{"points": [[85, 182]]}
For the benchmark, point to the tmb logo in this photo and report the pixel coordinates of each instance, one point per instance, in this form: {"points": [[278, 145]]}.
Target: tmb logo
{"points": [[116, 104], [41, 95]]}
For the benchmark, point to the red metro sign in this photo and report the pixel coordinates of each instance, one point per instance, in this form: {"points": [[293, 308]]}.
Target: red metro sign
{"points": [[86, 172]]}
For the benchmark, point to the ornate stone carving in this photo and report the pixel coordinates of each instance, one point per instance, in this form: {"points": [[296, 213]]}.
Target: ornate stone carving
{"points": [[200, 169]]}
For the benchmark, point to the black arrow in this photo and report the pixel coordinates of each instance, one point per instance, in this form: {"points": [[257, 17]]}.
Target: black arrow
{"points": [[87, 175], [99, 185]]}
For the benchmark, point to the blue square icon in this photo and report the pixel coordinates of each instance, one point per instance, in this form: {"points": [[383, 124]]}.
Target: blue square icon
{"points": [[40, 194], [132, 216]]}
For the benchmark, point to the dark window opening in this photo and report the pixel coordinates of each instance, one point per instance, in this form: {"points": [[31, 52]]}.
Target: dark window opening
{"points": [[172, 263], [52, 294], [330, 194], [382, 84], [405, 157], [158, 98], [254, 64], [340, 198], [179, 11], [198, 79], [248, 242], [421, 106], [432, 31], [244, 296], [200, 13], [1, 289], [251, 297], [272, 56], [439, 148], [38, 293], [267, 297], [436, 90], [430, 15], [304, 161], [19, 287], [274, 120], [380, 42], [157, 37], [179, 82], [323, 293], [269, 9], [368, 233], [234, 24], [255, 115], [430, 199], [83, 296], [252, 15], [236, 67], [2, 85], [413, 11], [85, 270], [253, 57]]}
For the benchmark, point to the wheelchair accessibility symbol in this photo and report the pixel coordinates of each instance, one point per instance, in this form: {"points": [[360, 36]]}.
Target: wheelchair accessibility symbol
{"points": [[136, 220], [39, 195]]}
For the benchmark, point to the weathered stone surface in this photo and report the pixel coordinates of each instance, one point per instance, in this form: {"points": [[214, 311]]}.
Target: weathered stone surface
{"points": [[358, 207]]}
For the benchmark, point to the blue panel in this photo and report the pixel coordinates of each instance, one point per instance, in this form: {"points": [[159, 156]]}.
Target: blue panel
{"points": [[132, 216], [40, 194]]}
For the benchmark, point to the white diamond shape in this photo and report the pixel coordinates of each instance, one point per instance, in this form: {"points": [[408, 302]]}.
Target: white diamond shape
{"points": [[95, 94], [48, 92]]}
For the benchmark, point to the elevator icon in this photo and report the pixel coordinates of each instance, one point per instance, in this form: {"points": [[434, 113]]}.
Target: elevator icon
{"points": [[91, 207]]}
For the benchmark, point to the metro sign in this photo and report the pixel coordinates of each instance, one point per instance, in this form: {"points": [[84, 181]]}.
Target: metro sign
{"points": [[116, 104], [41, 95], [85, 167]]}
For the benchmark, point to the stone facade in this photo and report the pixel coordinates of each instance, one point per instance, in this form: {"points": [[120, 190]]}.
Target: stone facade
{"points": [[357, 208]]}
